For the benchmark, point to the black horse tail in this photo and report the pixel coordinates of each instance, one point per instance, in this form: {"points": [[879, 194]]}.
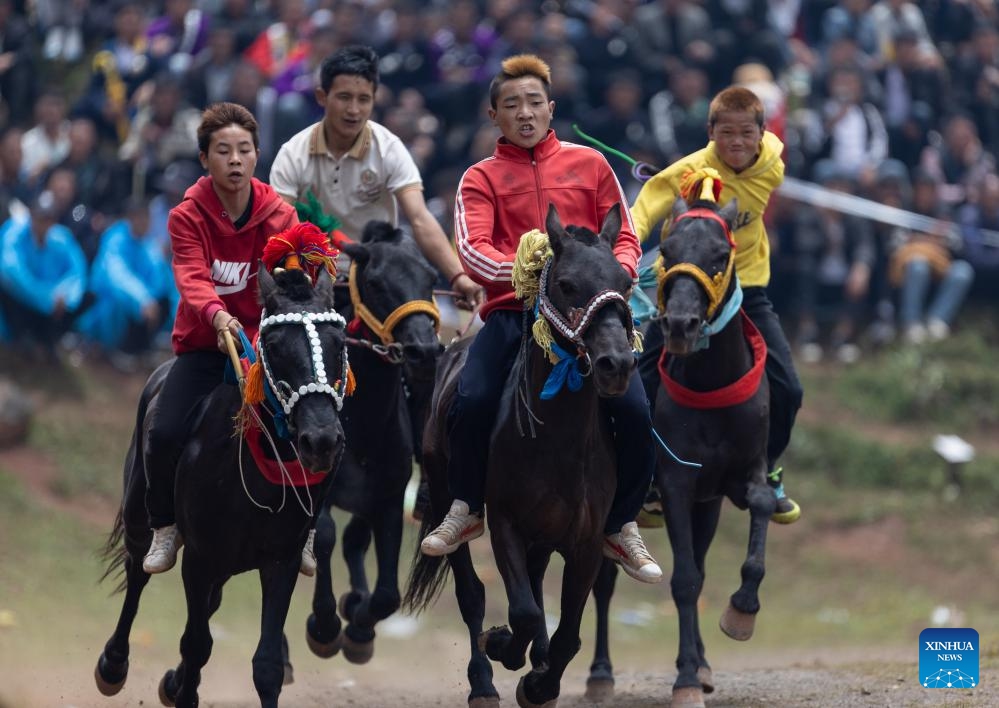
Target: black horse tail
{"points": [[114, 553], [427, 574]]}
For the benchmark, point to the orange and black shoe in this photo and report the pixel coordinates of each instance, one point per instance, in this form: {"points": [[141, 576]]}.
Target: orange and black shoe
{"points": [[787, 511]]}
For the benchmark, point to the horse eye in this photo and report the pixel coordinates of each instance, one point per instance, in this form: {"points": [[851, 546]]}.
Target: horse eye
{"points": [[566, 286]]}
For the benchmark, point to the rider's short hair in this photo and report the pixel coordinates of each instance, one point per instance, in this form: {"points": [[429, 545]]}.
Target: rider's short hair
{"points": [[517, 67], [736, 99], [353, 60], [221, 115]]}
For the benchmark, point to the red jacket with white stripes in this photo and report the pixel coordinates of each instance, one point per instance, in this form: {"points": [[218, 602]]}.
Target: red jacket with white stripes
{"points": [[506, 195]]}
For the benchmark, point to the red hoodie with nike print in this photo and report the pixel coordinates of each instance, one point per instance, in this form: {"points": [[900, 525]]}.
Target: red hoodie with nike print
{"points": [[215, 264]]}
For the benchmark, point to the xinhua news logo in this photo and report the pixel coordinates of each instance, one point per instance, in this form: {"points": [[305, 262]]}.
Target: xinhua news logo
{"points": [[948, 658]]}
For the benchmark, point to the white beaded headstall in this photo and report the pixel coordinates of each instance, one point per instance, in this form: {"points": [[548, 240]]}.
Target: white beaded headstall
{"points": [[579, 318], [282, 390]]}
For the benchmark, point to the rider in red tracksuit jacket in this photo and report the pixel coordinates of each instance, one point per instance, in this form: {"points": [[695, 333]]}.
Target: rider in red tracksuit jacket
{"points": [[498, 200]]}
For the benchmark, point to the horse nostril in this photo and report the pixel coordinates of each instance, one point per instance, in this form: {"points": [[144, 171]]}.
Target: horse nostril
{"points": [[609, 365], [419, 353], [683, 326], [317, 445]]}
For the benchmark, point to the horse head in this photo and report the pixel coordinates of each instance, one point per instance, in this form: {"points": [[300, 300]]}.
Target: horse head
{"points": [[584, 298], [697, 271], [392, 292], [302, 349]]}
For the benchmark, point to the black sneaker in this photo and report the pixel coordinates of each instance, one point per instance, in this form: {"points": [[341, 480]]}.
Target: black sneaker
{"points": [[787, 511]]}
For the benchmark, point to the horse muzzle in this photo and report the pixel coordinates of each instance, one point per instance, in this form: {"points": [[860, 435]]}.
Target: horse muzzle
{"points": [[680, 333], [320, 447], [612, 373]]}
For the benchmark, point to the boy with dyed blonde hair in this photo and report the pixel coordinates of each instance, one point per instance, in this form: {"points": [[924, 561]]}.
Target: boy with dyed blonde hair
{"points": [[748, 158], [498, 200]]}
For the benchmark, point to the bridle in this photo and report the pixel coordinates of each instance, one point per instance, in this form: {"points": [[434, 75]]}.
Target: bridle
{"points": [[389, 350], [287, 397], [715, 286], [578, 320]]}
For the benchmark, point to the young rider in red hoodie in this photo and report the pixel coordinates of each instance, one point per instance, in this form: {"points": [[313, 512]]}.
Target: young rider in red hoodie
{"points": [[498, 200], [217, 233]]}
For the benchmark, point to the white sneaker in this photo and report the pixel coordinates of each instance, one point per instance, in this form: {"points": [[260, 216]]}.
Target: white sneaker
{"points": [[937, 330], [458, 527], [915, 334], [162, 553], [308, 565], [628, 550]]}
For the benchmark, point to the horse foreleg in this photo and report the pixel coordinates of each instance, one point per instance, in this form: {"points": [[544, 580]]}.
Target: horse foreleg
{"points": [[739, 618], [541, 687], [196, 642], [600, 684], [385, 600], [525, 617], [537, 564], [277, 582], [112, 665], [686, 583], [704, 523], [322, 629], [471, 596], [357, 641]]}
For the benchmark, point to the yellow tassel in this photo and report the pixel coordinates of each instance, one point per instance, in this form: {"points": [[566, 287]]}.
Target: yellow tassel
{"points": [[254, 391], [351, 382], [638, 341], [543, 336], [701, 177], [533, 252]]}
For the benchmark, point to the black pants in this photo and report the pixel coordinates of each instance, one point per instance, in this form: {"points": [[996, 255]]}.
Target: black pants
{"points": [[785, 388], [192, 377], [471, 418]]}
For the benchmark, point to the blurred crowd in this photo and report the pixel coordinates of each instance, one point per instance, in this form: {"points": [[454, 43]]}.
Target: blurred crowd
{"points": [[893, 101]]}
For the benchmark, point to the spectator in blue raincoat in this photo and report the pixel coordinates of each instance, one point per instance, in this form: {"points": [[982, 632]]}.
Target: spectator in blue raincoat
{"points": [[43, 277], [133, 285]]}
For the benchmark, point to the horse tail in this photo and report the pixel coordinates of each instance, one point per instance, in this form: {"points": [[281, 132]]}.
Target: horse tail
{"points": [[114, 553], [427, 574]]}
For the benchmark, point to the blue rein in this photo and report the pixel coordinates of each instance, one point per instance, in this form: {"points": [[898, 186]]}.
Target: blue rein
{"points": [[728, 311], [277, 412]]}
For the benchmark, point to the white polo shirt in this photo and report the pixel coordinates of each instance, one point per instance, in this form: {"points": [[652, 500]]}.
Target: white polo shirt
{"points": [[358, 187]]}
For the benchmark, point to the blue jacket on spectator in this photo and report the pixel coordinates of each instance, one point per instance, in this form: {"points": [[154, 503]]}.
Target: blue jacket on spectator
{"points": [[37, 275], [128, 273]]}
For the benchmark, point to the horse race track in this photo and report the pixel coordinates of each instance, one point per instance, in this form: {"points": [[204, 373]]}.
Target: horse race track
{"points": [[846, 594]]}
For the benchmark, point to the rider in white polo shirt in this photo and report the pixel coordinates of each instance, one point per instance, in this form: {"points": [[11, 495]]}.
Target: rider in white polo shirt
{"points": [[360, 170]]}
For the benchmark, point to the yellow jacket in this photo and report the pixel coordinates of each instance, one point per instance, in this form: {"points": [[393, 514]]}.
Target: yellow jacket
{"points": [[751, 187]]}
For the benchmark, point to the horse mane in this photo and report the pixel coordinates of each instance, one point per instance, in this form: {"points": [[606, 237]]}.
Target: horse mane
{"points": [[380, 232], [294, 284], [582, 234]]}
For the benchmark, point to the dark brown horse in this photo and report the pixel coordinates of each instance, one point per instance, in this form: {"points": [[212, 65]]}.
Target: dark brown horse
{"points": [[551, 474], [713, 409], [232, 519]]}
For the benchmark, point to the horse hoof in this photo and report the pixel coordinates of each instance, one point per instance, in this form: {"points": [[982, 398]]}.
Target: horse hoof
{"points": [[524, 702], [358, 652], [706, 679], [501, 633], [165, 698], [599, 690], [688, 697], [108, 687], [738, 625], [289, 675], [324, 650], [484, 702]]}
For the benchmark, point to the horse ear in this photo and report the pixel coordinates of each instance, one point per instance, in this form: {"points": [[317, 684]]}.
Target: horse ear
{"points": [[324, 287], [611, 228], [356, 251], [265, 283], [729, 212], [679, 207], [553, 225]]}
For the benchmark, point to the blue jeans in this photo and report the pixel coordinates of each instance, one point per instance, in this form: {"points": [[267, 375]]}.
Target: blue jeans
{"points": [[949, 295]]}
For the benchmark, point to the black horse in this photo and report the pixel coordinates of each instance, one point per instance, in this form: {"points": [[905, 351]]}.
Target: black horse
{"points": [[551, 475], [713, 408], [393, 352], [232, 519]]}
